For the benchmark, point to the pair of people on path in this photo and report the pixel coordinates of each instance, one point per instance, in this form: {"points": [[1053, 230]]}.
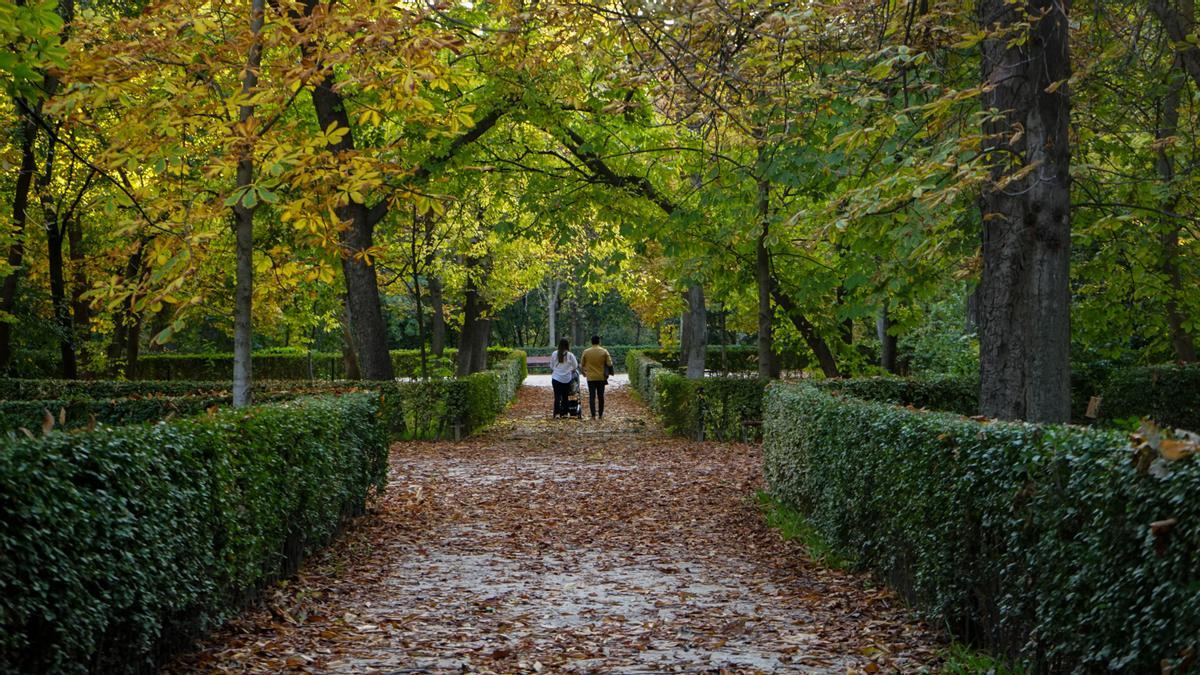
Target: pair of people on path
{"points": [[596, 366]]}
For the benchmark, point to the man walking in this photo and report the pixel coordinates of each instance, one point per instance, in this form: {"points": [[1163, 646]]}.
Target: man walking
{"points": [[597, 365]]}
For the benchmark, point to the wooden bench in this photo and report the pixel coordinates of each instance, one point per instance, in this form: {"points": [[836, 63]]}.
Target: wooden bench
{"points": [[537, 362]]}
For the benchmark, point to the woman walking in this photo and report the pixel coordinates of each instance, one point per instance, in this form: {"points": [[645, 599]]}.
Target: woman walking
{"points": [[564, 366]]}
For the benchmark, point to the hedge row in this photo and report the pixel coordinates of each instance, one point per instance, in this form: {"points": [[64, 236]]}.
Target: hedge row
{"points": [[287, 366], [1034, 541], [619, 353], [730, 359], [1167, 394], [728, 408], [78, 413], [118, 546], [946, 393], [441, 408], [435, 408]]}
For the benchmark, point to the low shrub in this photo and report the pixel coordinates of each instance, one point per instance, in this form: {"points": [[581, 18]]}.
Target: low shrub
{"points": [[1168, 394], [289, 365], [729, 359], [730, 408], [946, 393], [439, 408], [36, 390], [619, 353], [1034, 541], [120, 545]]}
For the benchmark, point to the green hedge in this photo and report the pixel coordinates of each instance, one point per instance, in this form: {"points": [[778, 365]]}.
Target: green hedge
{"points": [[730, 407], [735, 359], [619, 353], [1167, 394], [120, 545], [37, 390], [1032, 541], [78, 413], [435, 408], [946, 393], [288, 366]]}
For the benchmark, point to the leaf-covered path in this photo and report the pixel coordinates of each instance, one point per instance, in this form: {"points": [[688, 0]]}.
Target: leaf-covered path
{"points": [[568, 546]]}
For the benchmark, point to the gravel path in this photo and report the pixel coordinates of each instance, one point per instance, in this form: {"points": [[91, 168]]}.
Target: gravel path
{"points": [[570, 546]]}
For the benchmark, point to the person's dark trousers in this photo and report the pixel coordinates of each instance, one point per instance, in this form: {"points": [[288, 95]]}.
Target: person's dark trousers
{"points": [[596, 392], [561, 391]]}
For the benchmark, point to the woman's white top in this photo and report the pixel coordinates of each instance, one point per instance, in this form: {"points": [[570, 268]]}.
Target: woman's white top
{"points": [[565, 371]]}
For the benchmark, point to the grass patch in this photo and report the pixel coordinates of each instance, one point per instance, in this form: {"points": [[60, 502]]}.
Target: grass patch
{"points": [[958, 659], [792, 525]]}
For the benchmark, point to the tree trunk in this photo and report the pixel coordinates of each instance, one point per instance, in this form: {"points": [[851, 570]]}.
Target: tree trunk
{"points": [[349, 355], [695, 332], [81, 311], [887, 341], [1025, 293], [16, 251], [768, 365], [128, 323], [1183, 342], [481, 340], [467, 337], [808, 331], [437, 328], [58, 296], [552, 313], [576, 327], [243, 226], [362, 285]]}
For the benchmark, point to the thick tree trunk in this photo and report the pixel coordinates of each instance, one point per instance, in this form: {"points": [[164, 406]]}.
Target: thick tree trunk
{"points": [[243, 227], [1025, 293], [58, 296], [1183, 341], [468, 339], [768, 364], [808, 331], [16, 250], [482, 339], [887, 341], [362, 285], [349, 355], [437, 328], [81, 311], [695, 332]]}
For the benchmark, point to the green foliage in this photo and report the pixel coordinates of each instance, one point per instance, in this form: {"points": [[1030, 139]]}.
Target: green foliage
{"points": [[78, 413], [121, 544], [33, 390], [956, 394], [433, 408], [1034, 541], [730, 359], [792, 525], [938, 345], [1167, 394], [619, 353], [730, 407]]}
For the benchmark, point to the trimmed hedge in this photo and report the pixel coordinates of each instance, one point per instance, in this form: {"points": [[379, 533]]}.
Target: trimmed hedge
{"points": [[1034, 541], [1167, 394], [295, 366], [946, 393], [736, 359], [730, 408], [120, 545], [434, 408], [78, 413]]}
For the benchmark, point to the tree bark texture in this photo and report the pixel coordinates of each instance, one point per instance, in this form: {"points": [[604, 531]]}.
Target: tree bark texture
{"points": [[437, 327], [243, 227], [767, 362], [362, 285], [1025, 293], [1183, 342], [808, 331], [16, 250], [887, 341], [695, 330]]}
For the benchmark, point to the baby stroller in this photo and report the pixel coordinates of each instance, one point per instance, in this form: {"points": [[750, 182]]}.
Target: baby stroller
{"points": [[574, 407]]}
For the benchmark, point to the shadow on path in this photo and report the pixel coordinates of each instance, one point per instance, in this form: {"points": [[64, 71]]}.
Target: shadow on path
{"points": [[570, 546]]}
